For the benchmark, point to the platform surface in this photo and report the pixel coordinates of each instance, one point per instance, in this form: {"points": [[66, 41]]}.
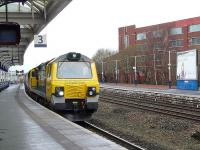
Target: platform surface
{"points": [[152, 88], [26, 125]]}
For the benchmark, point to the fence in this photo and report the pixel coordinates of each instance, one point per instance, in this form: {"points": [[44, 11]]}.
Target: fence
{"points": [[146, 69]]}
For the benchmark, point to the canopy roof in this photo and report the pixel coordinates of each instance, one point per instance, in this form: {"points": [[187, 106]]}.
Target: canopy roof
{"points": [[33, 16]]}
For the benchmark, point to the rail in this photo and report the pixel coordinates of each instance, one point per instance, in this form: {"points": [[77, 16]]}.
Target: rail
{"points": [[159, 107], [111, 136]]}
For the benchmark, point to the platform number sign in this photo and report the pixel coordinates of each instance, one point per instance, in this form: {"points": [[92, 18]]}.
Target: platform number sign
{"points": [[40, 40]]}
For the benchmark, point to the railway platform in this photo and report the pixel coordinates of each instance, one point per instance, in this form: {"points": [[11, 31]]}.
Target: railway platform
{"points": [[26, 125], [152, 88]]}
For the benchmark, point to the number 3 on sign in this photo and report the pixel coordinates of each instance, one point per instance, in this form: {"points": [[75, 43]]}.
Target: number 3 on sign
{"points": [[40, 41]]}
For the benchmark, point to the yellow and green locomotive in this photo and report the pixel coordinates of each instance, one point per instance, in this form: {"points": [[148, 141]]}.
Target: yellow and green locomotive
{"points": [[68, 82]]}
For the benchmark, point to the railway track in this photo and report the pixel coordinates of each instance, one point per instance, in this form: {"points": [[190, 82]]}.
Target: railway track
{"points": [[155, 102], [110, 136], [164, 108]]}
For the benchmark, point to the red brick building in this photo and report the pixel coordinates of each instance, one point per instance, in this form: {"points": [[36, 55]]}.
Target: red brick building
{"points": [[149, 48]]}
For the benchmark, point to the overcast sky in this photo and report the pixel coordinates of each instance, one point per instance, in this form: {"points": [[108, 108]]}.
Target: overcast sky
{"points": [[87, 25]]}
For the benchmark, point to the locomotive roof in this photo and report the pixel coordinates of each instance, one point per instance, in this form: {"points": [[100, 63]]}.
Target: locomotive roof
{"points": [[65, 58], [43, 64]]}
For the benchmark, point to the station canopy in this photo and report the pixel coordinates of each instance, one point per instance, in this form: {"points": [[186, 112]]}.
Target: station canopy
{"points": [[33, 16]]}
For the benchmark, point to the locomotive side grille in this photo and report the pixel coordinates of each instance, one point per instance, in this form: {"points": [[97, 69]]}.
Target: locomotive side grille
{"points": [[75, 91]]}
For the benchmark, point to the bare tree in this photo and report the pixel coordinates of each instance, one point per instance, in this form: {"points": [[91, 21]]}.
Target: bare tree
{"points": [[99, 56], [157, 42]]}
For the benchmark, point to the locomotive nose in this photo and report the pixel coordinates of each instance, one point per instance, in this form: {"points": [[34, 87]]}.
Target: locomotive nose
{"points": [[75, 91]]}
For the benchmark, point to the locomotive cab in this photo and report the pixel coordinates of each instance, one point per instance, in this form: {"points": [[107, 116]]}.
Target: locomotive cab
{"points": [[72, 83]]}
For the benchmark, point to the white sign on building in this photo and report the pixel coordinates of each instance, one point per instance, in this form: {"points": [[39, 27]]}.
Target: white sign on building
{"points": [[40, 40]]}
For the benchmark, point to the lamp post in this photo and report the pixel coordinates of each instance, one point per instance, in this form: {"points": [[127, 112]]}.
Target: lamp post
{"points": [[135, 70], [169, 67], [127, 69], [116, 71], [102, 75], [154, 67]]}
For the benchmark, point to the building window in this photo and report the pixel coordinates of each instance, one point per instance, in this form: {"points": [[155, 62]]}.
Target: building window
{"points": [[157, 33], [194, 28], [195, 41], [141, 36], [157, 57], [126, 41], [175, 31], [141, 46], [121, 42], [176, 43], [141, 58], [126, 30], [157, 45]]}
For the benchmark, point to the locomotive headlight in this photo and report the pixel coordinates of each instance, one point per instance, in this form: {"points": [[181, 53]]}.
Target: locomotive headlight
{"points": [[91, 91], [59, 91]]}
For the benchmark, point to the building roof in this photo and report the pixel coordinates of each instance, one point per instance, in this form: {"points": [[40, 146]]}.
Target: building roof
{"points": [[33, 16], [177, 23]]}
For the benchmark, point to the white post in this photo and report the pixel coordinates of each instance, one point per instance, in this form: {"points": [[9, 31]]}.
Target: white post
{"points": [[102, 77], [135, 69], [116, 71], [127, 67], [169, 67], [154, 66]]}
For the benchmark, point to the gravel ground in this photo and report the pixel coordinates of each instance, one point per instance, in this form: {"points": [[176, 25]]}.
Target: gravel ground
{"points": [[149, 130]]}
